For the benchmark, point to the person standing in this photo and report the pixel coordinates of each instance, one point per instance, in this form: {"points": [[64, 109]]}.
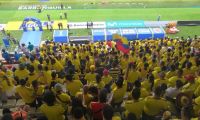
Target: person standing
{"points": [[61, 5], [30, 46], [65, 15], [49, 17], [158, 19]]}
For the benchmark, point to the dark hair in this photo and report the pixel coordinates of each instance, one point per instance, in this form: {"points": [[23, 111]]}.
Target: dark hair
{"points": [[136, 93], [158, 91], [131, 116], [6, 110], [119, 82], [103, 96], [22, 82], [163, 87], [42, 118], [49, 98], [179, 84], [180, 72], [78, 113], [53, 74], [172, 67], [187, 111], [137, 84], [34, 83], [7, 116], [98, 78], [40, 67], [108, 112], [69, 77], [31, 69]]}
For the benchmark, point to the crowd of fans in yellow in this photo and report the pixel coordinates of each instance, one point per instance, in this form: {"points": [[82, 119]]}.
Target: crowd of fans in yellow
{"points": [[158, 79]]}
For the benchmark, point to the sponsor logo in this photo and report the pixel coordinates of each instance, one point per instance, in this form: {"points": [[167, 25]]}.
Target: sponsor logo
{"points": [[31, 24], [43, 7], [124, 24], [128, 31], [144, 30]]}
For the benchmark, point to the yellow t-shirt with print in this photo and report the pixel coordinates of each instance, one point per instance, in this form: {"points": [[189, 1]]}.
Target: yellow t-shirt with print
{"points": [[118, 94], [146, 84], [135, 107], [133, 76], [64, 99], [158, 82], [172, 80], [90, 77], [47, 77], [107, 79], [57, 66], [74, 87], [170, 74], [32, 77], [6, 84], [21, 74], [54, 112], [153, 106], [25, 93]]}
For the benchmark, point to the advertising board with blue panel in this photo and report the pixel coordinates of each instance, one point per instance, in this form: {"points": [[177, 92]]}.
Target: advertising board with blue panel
{"points": [[60, 36], [110, 32], [158, 32], [125, 24], [98, 35], [144, 33], [130, 34]]}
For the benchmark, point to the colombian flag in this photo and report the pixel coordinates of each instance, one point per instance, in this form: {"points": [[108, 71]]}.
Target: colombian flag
{"points": [[121, 43]]}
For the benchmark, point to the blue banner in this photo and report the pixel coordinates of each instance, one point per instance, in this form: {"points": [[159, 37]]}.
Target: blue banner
{"points": [[125, 24]]}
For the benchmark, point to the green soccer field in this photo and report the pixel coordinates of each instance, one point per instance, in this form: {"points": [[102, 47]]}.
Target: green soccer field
{"points": [[102, 10]]}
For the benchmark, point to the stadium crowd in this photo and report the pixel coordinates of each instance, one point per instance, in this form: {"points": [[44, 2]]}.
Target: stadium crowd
{"points": [[158, 79]]}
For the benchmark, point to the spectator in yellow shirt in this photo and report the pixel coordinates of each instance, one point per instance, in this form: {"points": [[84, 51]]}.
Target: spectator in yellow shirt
{"points": [[132, 75], [91, 76], [160, 80], [73, 86], [51, 110], [22, 72], [118, 92], [178, 76], [26, 93], [135, 105], [154, 105]]}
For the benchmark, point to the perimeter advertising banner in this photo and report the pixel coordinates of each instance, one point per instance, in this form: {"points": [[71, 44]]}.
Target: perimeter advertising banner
{"points": [[130, 34], [98, 35], [144, 33], [125, 24]]}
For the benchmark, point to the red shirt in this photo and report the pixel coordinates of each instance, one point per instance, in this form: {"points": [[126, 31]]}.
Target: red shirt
{"points": [[97, 110]]}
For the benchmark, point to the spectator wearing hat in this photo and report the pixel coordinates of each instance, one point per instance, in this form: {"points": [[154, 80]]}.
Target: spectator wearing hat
{"points": [[107, 79], [62, 97]]}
